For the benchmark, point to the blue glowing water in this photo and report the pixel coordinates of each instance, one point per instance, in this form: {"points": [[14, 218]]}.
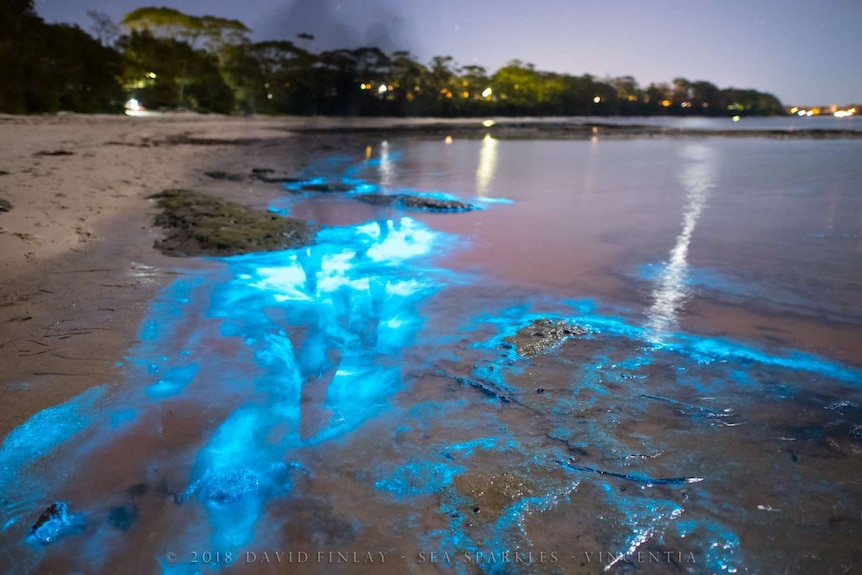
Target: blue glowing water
{"points": [[360, 394]]}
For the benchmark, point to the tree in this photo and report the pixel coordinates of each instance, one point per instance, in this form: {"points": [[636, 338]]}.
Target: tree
{"points": [[103, 27], [19, 53]]}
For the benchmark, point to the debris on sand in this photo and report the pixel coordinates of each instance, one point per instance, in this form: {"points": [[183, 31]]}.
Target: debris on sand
{"points": [[270, 176], [5, 206], [415, 202], [196, 224], [225, 176], [541, 335]]}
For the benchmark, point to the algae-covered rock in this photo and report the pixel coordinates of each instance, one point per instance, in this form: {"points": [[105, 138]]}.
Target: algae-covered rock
{"points": [[542, 334], [196, 224], [415, 202]]}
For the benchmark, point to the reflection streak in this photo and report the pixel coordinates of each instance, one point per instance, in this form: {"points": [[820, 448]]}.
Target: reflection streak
{"points": [[487, 165], [670, 292]]}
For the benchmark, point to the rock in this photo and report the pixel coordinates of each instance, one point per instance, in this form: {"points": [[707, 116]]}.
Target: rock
{"points": [[197, 224], [54, 153], [5, 206], [542, 334], [123, 517], [415, 202], [54, 523], [325, 188], [137, 490]]}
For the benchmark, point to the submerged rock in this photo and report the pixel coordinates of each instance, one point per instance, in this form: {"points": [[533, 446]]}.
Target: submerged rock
{"points": [[313, 523], [197, 224], [542, 334], [123, 517], [54, 523], [490, 494], [5, 206], [331, 188], [415, 202]]}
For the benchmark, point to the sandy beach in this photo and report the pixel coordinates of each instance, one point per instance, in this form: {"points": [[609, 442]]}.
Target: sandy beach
{"points": [[76, 248]]}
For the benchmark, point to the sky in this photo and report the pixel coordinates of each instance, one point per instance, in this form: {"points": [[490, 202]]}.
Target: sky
{"points": [[804, 51]]}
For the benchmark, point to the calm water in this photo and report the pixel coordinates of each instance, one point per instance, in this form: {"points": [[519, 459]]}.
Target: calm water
{"points": [[354, 407]]}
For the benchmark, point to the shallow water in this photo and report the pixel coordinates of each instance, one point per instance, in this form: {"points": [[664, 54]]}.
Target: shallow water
{"points": [[354, 407]]}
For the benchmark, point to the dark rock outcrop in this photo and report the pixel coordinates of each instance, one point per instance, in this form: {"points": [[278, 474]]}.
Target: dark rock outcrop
{"points": [[541, 335], [196, 224], [415, 202]]}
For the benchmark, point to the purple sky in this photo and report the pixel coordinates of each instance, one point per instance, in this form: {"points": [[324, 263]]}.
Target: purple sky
{"points": [[803, 51]]}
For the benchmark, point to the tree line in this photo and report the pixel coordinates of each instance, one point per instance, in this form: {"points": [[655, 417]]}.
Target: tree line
{"points": [[165, 59]]}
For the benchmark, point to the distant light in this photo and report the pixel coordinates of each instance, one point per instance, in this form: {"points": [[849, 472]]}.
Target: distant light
{"points": [[465, 94], [367, 152], [486, 93], [597, 99], [800, 113], [382, 89], [448, 140], [152, 76], [666, 103], [809, 113], [736, 118], [488, 123], [133, 105], [844, 113], [794, 109], [269, 96]]}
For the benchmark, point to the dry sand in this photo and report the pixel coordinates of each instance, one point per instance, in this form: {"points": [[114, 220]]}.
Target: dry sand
{"points": [[77, 264]]}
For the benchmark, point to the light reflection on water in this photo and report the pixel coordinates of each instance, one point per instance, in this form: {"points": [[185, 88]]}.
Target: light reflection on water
{"points": [[671, 289], [487, 165], [315, 399]]}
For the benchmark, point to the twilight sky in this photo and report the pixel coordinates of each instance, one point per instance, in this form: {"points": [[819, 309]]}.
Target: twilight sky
{"points": [[803, 51]]}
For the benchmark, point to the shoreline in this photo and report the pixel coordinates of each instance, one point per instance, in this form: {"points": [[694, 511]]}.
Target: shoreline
{"points": [[76, 249], [77, 261]]}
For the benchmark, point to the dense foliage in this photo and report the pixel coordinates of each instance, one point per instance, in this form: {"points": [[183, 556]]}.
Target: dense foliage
{"points": [[168, 59]]}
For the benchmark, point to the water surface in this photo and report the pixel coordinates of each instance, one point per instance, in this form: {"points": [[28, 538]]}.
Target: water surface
{"points": [[357, 401]]}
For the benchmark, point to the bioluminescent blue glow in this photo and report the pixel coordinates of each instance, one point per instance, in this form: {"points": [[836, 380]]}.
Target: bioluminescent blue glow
{"points": [[360, 390]]}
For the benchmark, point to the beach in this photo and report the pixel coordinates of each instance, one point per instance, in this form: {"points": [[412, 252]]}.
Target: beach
{"points": [[577, 355], [76, 248]]}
